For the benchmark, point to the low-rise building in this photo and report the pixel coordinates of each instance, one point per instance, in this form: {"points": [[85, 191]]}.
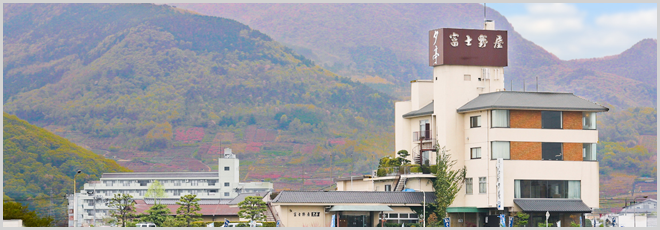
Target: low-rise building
{"points": [[93, 200], [349, 208]]}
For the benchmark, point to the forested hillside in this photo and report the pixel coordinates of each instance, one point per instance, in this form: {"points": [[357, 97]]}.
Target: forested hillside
{"points": [[38, 166], [385, 46], [162, 89]]}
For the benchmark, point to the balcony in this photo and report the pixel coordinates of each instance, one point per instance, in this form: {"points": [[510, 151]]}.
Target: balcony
{"points": [[424, 135]]}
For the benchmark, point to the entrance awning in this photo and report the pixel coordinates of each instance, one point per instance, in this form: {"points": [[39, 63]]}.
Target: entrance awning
{"points": [[551, 205], [361, 208]]}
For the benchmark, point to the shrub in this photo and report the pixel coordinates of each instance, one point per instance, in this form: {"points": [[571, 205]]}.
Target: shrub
{"points": [[426, 169], [434, 169], [381, 172], [415, 169]]}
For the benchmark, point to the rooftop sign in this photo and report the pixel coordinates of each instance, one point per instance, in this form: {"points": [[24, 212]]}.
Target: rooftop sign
{"points": [[449, 46]]}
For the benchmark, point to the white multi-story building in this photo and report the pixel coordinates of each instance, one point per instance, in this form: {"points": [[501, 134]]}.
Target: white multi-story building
{"points": [[223, 184], [532, 152]]}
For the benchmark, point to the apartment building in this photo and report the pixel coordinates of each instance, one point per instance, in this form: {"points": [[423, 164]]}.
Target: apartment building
{"points": [[532, 152], [224, 185]]}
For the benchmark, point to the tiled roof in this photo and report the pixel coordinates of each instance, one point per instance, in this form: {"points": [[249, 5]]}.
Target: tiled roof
{"points": [[207, 209], [426, 110], [530, 101], [353, 197], [169, 201], [159, 175], [551, 205]]}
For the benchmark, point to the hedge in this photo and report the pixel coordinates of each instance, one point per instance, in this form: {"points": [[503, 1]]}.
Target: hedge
{"points": [[221, 223]]}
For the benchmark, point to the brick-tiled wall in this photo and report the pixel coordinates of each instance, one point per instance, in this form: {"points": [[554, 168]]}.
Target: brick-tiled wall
{"points": [[571, 120], [572, 151], [525, 119], [526, 150]]}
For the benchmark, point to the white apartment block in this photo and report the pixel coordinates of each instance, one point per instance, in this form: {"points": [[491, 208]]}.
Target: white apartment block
{"points": [[532, 152], [224, 184]]}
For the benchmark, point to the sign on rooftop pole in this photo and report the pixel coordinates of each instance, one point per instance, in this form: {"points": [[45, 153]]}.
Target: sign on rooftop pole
{"points": [[500, 180]]}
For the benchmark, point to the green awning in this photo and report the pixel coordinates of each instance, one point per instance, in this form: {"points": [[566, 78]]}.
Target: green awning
{"points": [[361, 208], [466, 209]]}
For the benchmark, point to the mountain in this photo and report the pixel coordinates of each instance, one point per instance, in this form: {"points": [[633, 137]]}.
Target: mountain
{"points": [[158, 88], [38, 166], [384, 45]]}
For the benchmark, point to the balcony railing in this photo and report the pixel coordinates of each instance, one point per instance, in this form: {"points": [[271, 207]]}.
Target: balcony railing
{"points": [[424, 135]]}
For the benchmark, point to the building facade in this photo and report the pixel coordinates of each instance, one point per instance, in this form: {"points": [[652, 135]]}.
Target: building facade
{"points": [[93, 201], [532, 152]]}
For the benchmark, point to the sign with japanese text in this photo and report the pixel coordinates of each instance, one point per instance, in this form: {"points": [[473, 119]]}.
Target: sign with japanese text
{"points": [[448, 46]]}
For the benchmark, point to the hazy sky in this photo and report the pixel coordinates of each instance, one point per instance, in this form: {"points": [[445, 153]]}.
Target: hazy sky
{"points": [[582, 30]]}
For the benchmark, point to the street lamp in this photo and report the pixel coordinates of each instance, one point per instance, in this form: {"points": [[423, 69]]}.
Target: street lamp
{"points": [[424, 213], [75, 202]]}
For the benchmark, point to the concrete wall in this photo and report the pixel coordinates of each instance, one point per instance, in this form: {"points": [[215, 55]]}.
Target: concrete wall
{"points": [[402, 128]]}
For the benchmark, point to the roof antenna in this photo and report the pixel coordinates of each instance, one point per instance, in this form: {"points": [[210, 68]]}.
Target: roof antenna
{"points": [[484, 11], [524, 86], [511, 84], [537, 84]]}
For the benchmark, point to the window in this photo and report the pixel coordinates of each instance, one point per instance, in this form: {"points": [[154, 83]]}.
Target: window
{"points": [[482, 184], [589, 151], [388, 188], [500, 118], [125, 183], [475, 121], [142, 192], [424, 130], [467, 77], [551, 119], [193, 183], [552, 151], [108, 183], [194, 192], [226, 193], [588, 120], [211, 182], [226, 184], [177, 183], [475, 153], [177, 192], [468, 185], [500, 149], [569, 189], [425, 157], [226, 168]]}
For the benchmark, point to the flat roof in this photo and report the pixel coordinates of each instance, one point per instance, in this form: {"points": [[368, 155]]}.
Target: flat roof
{"points": [[353, 197], [160, 175], [531, 101]]}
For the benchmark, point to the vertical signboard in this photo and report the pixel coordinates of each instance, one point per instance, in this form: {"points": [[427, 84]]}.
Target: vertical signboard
{"points": [[499, 166], [448, 46]]}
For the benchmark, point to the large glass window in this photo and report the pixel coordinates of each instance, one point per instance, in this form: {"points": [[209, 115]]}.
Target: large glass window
{"points": [[588, 120], [482, 184], [475, 153], [552, 151], [500, 118], [547, 189], [424, 130], [589, 151], [551, 119], [500, 149], [468, 185], [475, 121]]}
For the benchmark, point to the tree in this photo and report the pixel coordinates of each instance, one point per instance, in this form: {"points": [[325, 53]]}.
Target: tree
{"points": [[403, 154], [188, 209], [157, 214], [252, 208], [448, 181], [125, 207], [14, 210], [155, 191], [522, 219]]}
